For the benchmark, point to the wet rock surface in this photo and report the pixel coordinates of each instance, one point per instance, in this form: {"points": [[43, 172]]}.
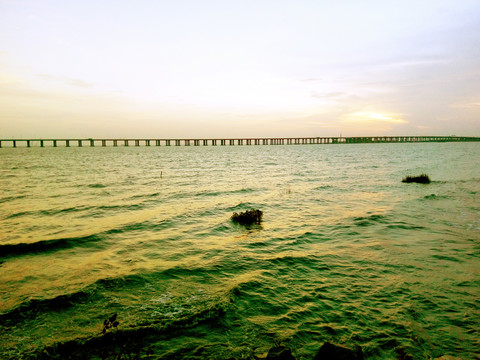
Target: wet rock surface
{"points": [[330, 351]]}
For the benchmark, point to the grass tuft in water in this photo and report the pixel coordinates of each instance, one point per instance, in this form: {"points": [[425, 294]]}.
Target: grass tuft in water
{"points": [[253, 216], [421, 179]]}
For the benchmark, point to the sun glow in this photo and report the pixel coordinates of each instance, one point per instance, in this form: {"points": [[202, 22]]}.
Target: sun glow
{"points": [[373, 117]]}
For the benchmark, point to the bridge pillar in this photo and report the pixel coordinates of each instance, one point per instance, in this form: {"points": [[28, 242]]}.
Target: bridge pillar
{"points": [[54, 143], [14, 143], [167, 142], [177, 142], [0, 144], [205, 142], [187, 142], [147, 142], [92, 143], [157, 142], [104, 143], [232, 142], [79, 143], [115, 143], [67, 143], [137, 142], [125, 142], [28, 143]]}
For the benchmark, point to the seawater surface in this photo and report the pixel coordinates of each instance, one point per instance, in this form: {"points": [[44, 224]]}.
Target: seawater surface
{"points": [[346, 253]]}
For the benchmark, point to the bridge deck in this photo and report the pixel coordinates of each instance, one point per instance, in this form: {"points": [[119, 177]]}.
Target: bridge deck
{"points": [[227, 141]]}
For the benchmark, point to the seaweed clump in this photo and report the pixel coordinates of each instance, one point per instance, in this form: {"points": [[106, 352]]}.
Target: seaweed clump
{"points": [[421, 179], [249, 217]]}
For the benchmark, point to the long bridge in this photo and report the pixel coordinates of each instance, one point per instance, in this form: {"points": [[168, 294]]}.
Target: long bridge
{"points": [[103, 142]]}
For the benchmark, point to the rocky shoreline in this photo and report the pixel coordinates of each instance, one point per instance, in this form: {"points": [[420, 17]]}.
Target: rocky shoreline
{"points": [[329, 351]]}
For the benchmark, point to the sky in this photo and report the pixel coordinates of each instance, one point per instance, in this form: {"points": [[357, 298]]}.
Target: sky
{"points": [[239, 68]]}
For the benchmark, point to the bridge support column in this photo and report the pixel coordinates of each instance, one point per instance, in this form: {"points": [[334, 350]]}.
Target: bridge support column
{"points": [[104, 143], [147, 142], [137, 142], [157, 142], [92, 143], [28, 143], [79, 143], [177, 142], [54, 143], [115, 143], [67, 143], [14, 143], [125, 142], [205, 142], [167, 142]]}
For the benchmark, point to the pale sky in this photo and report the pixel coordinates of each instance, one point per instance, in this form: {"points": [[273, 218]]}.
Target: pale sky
{"points": [[239, 68]]}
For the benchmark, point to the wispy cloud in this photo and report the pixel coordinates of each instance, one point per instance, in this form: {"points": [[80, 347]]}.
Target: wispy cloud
{"points": [[67, 81]]}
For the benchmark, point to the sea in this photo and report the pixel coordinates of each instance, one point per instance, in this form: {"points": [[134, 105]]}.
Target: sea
{"points": [[110, 252]]}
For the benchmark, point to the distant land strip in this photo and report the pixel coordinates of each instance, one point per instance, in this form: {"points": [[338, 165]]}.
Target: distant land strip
{"points": [[13, 143]]}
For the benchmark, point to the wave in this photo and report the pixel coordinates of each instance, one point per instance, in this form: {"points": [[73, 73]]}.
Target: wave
{"points": [[146, 196], [32, 307], [97, 186], [405, 226], [229, 192], [132, 340], [144, 225], [436, 197], [50, 212], [8, 250], [11, 198], [242, 206], [370, 220], [121, 207]]}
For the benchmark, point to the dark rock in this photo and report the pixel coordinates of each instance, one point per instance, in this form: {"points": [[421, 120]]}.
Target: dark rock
{"points": [[279, 353], [403, 355], [329, 351]]}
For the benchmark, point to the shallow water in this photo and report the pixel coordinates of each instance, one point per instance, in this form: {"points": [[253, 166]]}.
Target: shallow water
{"points": [[346, 252]]}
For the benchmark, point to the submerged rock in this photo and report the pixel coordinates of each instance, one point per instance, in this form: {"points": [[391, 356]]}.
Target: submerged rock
{"points": [[279, 353], [329, 351]]}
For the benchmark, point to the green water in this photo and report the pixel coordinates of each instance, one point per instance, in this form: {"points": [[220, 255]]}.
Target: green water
{"points": [[346, 252]]}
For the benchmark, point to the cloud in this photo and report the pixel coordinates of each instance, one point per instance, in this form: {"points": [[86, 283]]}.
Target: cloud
{"points": [[466, 105], [372, 117]]}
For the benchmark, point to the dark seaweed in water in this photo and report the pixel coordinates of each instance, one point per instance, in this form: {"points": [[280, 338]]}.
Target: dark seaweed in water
{"points": [[253, 216], [421, 179]]}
